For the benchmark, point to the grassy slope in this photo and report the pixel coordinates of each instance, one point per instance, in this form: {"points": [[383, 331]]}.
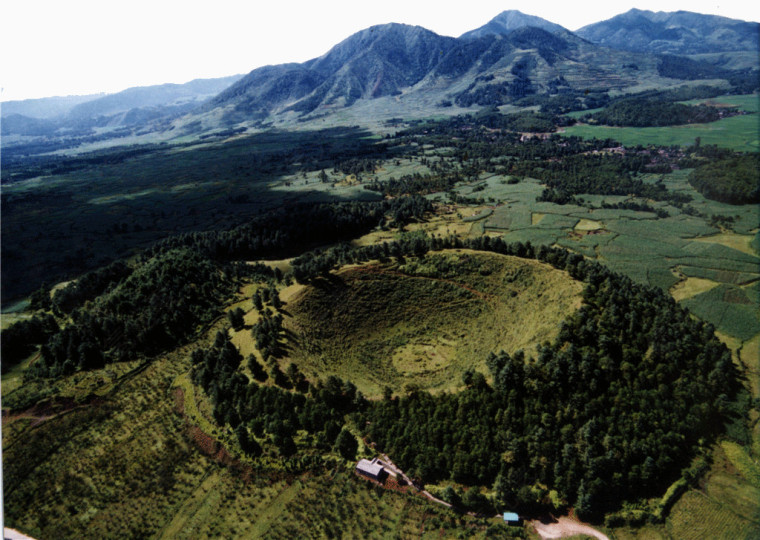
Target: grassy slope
{"points": [[126, 466], [397, 325]]}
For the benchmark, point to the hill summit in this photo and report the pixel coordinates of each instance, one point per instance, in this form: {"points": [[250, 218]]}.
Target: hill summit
{"points": [[378, 61], [508, 21]]}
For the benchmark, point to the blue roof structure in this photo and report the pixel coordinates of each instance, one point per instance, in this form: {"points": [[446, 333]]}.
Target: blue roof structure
{"points": [[511, 516]]}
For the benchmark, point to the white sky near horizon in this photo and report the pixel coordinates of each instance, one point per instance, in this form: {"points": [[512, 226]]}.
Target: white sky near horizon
{"points": [[75, 47]]}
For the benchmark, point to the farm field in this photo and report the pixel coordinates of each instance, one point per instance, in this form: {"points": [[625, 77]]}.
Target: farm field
{"points": [[663, 252], [649, 249], [738, 133]]}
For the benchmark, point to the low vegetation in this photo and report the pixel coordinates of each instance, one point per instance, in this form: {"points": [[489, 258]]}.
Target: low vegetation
{"points": [[422, 323]]}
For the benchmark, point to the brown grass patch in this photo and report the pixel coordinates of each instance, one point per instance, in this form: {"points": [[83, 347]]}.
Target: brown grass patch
{"points": [[691, 286], [588, 225], [739, 242]]}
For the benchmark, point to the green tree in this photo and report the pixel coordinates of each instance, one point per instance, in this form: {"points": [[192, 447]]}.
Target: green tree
{"points": [[346, 444], [236, 318], [247, 443], [451, 496], [257, 301], [276, 302]]}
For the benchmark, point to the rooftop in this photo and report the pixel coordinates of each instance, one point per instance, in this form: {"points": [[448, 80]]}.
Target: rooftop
{"points": [[371, 467]]}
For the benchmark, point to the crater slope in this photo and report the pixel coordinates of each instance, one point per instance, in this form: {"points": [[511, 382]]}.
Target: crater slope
{"points": [[421, 323]]}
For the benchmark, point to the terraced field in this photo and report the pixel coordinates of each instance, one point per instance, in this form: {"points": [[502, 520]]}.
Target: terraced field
{"points": [[698, 516]]}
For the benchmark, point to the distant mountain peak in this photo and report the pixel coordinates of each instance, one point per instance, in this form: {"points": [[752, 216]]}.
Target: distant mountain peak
{"points": [[413, 70], [678, 32], [508, 21]]}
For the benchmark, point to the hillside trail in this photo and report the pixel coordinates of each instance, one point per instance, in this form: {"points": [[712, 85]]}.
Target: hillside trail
{"points": [[388, 464], [565, 527], [13, 534]]}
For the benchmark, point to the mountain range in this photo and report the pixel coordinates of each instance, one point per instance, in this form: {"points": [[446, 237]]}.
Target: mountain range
{"points": [[681, 32], [130, 107], [412, 64], [400, 70]]}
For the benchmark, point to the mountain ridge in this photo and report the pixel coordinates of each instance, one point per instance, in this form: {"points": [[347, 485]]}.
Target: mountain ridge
{"points": [[404, 62], [411, 70], [374, 62], [679, 32], [511, 56], [510, 20]]}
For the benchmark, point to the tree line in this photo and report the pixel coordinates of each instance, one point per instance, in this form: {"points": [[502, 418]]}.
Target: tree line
{"points": [[642, 112], [126, 311], [158, 306], [731, 179], [287, 231]]}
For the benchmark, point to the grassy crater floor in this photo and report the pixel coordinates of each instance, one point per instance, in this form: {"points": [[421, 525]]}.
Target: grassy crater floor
{"points": [[421, 323]]}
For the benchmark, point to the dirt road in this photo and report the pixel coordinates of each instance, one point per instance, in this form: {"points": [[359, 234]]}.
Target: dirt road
{"points": [[565, 527]]}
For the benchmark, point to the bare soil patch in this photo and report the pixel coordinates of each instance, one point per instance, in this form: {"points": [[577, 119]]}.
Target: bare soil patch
{"points": [[565, 527]]}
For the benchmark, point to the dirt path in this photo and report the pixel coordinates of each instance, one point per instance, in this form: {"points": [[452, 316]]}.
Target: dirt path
{"points": [[46, 410], [388, 464], [13, 534], [565, 527]]}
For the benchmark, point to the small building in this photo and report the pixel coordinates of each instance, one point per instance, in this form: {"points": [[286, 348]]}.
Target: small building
{"points": [[371, 469], [510, 518]]}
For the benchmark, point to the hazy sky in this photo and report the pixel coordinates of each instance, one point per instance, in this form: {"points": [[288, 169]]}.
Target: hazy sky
{"points": [[65, 47]]}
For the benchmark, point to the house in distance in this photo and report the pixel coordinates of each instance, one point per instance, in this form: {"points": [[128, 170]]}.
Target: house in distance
{"points": [[510, 518], [371, 469]]}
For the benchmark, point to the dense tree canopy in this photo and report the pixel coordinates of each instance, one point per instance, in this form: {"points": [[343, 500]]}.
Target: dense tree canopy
{"points": [[609, 411], [641, 112], [733, 179], [159, 305], [289, 230]]}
